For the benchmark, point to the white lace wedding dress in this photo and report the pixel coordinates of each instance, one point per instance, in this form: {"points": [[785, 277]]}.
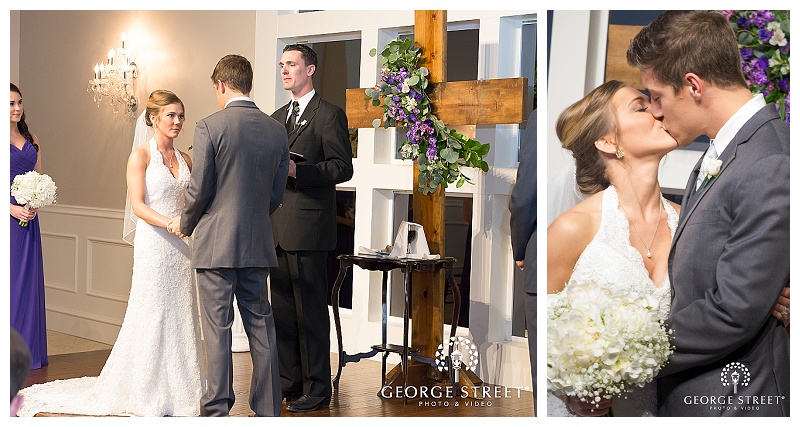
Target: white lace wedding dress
{"points": [[155, 367], [610, 258]]}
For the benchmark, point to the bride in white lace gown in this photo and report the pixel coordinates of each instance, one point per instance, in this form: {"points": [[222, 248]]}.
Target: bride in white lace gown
{"points": [[622, 233], [155, 367]]}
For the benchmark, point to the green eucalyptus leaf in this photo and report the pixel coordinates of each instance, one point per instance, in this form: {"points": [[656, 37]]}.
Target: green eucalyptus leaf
{"points": [[376, 123]]}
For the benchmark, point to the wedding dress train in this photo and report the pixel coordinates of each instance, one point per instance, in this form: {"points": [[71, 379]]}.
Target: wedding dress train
{"points": [[610, 258], [155, 367]]}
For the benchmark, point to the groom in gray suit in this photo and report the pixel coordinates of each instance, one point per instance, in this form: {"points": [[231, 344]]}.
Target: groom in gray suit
{"points": [[241, 161], [730, 253]]}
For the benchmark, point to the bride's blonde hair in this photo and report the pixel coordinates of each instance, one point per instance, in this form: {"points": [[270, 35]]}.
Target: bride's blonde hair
{"points": [[580, 125], [159, 99]]}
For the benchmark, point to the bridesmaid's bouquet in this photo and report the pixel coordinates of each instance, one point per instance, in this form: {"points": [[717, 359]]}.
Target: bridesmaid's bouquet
{"points": [[34, 190], [603, 340]]}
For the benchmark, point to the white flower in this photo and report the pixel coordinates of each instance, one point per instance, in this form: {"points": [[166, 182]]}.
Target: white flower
{"points": [[303, 123], [33, 190], [409, 103], [712, 168], [406, 88], [785, 69], [603, 337], [774, 26], [778, 38]]}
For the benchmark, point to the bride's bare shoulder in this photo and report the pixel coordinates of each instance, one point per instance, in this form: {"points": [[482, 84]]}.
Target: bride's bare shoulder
{"points": [[578, 220]]}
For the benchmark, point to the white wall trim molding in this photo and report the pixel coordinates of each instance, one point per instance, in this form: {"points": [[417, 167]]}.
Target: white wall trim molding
{"points": [[93, 244], [55, 284], [85, 211]]}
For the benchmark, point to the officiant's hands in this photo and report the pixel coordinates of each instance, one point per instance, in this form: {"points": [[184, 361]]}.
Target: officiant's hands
{"points": [[292, 169], [174, 227], [584, 409]]}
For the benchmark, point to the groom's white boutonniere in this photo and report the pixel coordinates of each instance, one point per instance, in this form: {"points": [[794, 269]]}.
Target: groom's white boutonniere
{"points": [[712, 168]]}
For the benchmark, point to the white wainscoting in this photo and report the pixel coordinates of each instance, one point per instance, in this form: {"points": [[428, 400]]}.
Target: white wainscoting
{"points": [[87, 270]]}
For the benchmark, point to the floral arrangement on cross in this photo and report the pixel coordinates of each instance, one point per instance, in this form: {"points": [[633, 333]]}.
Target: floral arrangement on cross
{"points": [[763, 37], [439, 152]]}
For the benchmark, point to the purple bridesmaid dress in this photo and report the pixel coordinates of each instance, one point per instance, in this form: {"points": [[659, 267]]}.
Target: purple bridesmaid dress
{"points": [[27, 270]]}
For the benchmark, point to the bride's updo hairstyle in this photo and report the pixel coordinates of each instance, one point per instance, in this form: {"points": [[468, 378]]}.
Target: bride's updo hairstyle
{"points": [[159, 99], [580, 125]]}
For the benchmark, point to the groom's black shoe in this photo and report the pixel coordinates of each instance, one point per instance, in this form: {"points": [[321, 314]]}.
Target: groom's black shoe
{"points": [[309, 403]]}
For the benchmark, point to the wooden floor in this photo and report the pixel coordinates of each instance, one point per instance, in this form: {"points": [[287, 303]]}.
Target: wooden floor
{"points": [[357, 395]]}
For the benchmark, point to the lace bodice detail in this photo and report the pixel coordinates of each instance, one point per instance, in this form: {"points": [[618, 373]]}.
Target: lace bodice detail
{"points": [[610, 258], [165, 193]]}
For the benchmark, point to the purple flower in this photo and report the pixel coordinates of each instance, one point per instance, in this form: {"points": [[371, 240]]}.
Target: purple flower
{"points": [[764, 34], [743, 22], [763, 62], [758, 19], [768, 14], [746, 52], [785, 48], [783, 85], [759, 77], [432, 153]]}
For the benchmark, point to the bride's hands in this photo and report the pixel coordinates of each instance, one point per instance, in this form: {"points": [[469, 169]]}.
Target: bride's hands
{"points": [[584, 409], [781, 310], [174, 227]]}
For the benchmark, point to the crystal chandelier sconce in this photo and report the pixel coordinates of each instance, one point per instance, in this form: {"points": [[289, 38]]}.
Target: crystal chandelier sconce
{"points": [[113, 79]]}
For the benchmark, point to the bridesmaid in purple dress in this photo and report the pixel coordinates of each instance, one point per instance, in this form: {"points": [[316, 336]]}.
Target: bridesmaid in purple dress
{"points": [[27, 271]]}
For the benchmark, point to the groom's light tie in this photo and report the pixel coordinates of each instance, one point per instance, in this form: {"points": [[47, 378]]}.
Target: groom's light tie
{"points": [[710, 156], [290, 124]]}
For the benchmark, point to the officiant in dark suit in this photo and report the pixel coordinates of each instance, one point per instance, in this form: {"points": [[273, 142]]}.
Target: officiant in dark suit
{"points": [[523, 232], [304, 229]]}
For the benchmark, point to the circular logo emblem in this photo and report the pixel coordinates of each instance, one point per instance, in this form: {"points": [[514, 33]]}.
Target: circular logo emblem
{"points": [[735, 374], [464, 354]]}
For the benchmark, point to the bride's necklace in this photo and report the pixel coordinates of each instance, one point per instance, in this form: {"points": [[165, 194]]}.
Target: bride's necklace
{"points": [[170, 157], [660, 210]]}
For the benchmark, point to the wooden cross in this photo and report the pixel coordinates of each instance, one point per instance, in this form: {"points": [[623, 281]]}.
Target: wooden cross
{"points": [[482, 102]]}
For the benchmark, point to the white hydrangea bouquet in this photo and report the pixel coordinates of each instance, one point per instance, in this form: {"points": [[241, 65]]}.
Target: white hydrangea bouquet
{"points": [[34, 190], [603, 340]]}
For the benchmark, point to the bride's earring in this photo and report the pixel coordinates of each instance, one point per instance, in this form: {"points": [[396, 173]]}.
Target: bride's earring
{"points": [[620, 154]]}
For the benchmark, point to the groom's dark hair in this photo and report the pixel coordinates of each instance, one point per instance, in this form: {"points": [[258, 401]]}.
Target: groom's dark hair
{"points": [[689, 41], [235, 71]]}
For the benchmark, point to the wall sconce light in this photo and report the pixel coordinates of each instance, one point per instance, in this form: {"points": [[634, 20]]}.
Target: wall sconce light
{"points": [[114, 79]]}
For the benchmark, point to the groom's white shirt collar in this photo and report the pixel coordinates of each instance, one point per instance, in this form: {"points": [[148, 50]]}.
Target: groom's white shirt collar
{"points": [[732, 126], [238, 98]]}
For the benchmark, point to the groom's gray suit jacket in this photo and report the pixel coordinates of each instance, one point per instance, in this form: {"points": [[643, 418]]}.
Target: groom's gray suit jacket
{"points": [[241, 162], [728, 264]]}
